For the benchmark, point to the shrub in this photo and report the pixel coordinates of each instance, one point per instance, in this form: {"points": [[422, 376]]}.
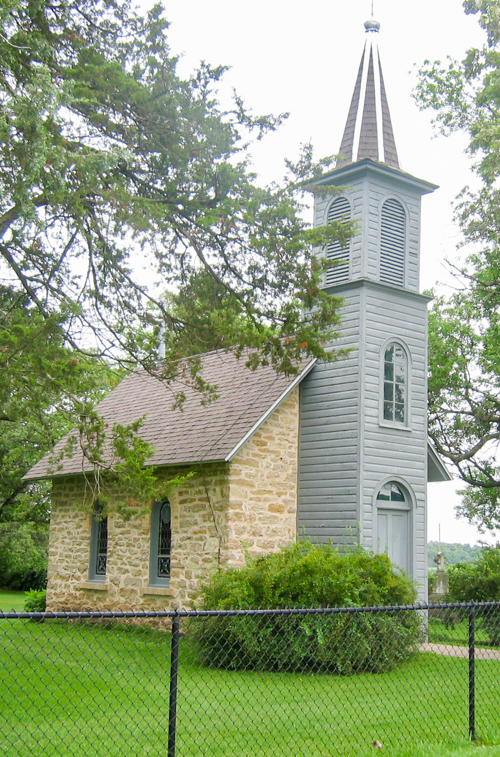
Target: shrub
{"points": [[479, 582], [23, 555], [304, 576], [35, 600]]}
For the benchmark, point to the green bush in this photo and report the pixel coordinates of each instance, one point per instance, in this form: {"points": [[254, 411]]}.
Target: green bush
{"points": [[479, 582], [35, 600], [305, 576], [23, 555]]}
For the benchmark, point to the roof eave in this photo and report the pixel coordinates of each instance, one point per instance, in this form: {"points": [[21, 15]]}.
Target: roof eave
{"points": [[442, 473]]}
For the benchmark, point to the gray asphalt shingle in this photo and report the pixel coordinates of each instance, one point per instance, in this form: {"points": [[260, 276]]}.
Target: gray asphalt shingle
{"points": [[197, 433]]}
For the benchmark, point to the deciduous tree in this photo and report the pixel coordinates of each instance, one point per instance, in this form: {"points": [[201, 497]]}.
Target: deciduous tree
{"points": [[465, 328]]}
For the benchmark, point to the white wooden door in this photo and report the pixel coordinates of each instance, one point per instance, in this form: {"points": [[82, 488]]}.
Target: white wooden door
{"points": [[393, 536]]}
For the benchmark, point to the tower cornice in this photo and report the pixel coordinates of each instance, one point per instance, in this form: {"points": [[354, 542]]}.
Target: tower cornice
{"points": [[362, 168], [338, 289]]}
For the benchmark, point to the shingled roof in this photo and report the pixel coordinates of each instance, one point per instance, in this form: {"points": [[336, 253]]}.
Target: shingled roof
{"points": [[368, 131], [197, 433]]}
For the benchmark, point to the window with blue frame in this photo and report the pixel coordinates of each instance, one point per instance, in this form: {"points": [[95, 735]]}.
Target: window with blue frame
{"points": [[98, 544], [161, 543]]}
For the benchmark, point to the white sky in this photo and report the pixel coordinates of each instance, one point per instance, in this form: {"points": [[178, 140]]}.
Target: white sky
{"points": [[303, 58]]}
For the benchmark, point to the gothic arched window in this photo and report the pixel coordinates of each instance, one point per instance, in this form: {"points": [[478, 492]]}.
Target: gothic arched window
{"points": [[395, 385], [393, 243], [339, 210], [161, 543], [98, 545]]}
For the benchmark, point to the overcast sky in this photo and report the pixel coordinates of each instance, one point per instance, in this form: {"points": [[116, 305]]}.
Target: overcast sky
{"points": [[302, 58]]}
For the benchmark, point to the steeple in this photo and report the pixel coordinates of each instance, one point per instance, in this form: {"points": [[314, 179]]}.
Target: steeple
{"points": [[368, 132]]}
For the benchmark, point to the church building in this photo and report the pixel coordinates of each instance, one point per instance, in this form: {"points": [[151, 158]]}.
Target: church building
{"points": [[338, 453]]}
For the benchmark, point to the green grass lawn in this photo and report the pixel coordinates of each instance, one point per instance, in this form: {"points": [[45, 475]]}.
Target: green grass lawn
{"points": [[456, 634], [11, 600], [81, 689]]}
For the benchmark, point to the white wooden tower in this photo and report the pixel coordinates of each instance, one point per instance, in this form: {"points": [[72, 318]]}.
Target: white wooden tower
{"points": [[364, 458]]}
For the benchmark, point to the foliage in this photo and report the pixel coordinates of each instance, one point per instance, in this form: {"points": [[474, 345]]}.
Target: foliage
{"points": [[35, 600], [120, 181], [465, 328], [306, 575], [480, 582], [454, 552], [110, 161], [23, 555], [43, 384]]}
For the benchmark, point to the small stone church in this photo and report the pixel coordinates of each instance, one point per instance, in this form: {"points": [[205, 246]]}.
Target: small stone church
{"points": [[337, 453]]}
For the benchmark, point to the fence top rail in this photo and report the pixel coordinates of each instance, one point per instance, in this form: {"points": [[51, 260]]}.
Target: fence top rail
{"points": [[104, 614]]}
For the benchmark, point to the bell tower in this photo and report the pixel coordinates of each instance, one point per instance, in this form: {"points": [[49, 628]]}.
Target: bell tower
{"points": [[363, 463]]}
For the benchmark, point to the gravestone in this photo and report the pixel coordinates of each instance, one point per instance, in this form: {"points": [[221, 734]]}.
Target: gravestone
{"points": [[440, 584]]}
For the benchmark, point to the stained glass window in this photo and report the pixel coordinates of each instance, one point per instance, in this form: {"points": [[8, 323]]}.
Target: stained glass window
{"points": [[164, 541], [98, 545], [161, 543], [102, 547]]}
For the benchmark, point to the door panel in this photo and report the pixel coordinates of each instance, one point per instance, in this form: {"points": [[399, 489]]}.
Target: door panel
{"points": [[393, 536]]}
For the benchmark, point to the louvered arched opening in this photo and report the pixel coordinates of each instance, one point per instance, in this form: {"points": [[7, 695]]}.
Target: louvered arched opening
{"points": [[393, 243], [339, 210]]}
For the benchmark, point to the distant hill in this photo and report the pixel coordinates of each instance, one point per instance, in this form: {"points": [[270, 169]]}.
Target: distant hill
{"points": [[454, 552]]}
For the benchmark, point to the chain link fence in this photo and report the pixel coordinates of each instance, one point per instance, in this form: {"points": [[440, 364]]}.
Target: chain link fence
{"points": [[247, 683]]}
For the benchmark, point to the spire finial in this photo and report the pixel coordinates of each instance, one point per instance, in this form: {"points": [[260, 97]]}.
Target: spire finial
{"points": [[372, 25]]}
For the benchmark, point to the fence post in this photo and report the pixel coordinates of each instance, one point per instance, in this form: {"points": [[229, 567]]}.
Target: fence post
{"points": [[174, 668], [472, 681]]}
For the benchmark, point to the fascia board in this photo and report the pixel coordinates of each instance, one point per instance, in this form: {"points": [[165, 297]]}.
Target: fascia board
{"points": [[446, 476], [270, 410]]}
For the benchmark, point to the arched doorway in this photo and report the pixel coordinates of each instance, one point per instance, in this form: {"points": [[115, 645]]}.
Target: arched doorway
{"points": [[394, 524]]}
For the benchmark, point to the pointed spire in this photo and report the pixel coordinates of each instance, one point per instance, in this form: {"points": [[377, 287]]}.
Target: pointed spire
{"points": [[368, 131]]}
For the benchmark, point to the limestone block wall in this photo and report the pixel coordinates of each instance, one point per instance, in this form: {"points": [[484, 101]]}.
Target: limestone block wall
{"points": [[199, 527], [262, 510], [218, 514]]}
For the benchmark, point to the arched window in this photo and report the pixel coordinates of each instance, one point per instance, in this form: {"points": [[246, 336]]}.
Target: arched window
{"points": [[391, 492], [339, 210], [395, 389], [393, 243], [394, 526], [161, 543], [98, 545]]}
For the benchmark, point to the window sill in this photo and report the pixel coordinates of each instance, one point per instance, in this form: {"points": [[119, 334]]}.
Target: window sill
{"points": [[94, 585], [159, 591], [393, 424]]}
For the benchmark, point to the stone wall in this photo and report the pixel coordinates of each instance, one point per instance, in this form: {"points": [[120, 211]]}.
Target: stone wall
{"points": [[195, 546], [262, 512], [218, 514]]}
